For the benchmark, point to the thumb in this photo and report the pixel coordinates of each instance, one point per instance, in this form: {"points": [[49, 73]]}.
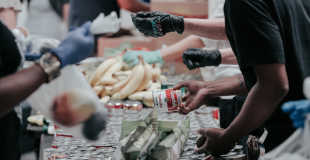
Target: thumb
{"points": [[288, 107], [180, 85], [84, 29]]}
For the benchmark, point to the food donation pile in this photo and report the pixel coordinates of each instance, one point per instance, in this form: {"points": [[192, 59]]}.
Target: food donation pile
{"points": [[113, 80], [133, 134]]}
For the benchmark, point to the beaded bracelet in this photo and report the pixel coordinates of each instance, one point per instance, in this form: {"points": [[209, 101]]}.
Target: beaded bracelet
{"points": [[156, 25]]}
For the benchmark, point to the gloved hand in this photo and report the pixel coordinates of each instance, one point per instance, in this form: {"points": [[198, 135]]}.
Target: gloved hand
{"points": [[297, 111], [150, 57], [32, 57], [157, 23], [195, 58], [77, 46]]}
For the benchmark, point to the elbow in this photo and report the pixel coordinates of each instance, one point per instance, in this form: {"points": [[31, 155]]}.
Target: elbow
{"points": [[281, 90]]}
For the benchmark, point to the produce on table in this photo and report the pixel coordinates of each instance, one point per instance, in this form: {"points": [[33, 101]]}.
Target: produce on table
{"points": [[112, 78]]}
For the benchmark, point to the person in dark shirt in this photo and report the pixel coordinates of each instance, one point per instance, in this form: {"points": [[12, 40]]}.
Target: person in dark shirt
{"points": [[271, 42]]}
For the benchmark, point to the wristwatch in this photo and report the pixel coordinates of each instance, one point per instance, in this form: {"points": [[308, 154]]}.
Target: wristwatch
{"points": [[50, 64]]}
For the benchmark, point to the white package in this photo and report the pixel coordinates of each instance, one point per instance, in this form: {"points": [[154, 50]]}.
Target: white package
{"points": [[70, 79], [108, 24]]}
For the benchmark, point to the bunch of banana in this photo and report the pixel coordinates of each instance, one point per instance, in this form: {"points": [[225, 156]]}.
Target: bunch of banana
{"points": [[112, 81]]}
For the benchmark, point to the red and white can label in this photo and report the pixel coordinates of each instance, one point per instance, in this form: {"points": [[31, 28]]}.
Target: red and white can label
{"points": [[167, 100]]}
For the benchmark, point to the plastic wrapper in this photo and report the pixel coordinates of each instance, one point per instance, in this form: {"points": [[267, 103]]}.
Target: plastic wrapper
{"points": [[108, 24], [172, 146], [140, 142], [93, 129]]}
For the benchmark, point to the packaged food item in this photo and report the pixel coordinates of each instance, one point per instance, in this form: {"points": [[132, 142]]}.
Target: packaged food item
{"points": [[173, 145], [167, 100], [140, 142]]}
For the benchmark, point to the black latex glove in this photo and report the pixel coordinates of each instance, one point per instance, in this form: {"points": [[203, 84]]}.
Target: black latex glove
{"points": [[165, 23], [196, 58]]}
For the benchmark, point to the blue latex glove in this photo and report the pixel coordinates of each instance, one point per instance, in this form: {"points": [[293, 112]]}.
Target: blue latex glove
{"points": [[32, 57], [77, 46], [151, 57], [297, 111]]}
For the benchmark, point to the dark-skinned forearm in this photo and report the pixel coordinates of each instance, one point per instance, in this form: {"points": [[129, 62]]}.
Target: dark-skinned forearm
{"points": [[17, 87], [207, 28], [228, 86], [261, 102]]}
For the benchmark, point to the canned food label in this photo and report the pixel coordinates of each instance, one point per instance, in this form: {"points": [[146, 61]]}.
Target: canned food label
{"points": [[167, 100]]}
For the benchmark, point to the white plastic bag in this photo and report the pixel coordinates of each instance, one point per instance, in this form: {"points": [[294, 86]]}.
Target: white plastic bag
{"points": [[108, 24], [71, 78], [296, 145]]}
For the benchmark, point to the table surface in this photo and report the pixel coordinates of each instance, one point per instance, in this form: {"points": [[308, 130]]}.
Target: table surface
{"points": [[46, 141]]}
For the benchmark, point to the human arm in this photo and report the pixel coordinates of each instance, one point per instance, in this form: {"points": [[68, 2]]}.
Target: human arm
{"points": [[207, 28], [14, 88], [176, 50], [199, 92], [165, 23], [17, 87], [261, 102], [8, 17]]}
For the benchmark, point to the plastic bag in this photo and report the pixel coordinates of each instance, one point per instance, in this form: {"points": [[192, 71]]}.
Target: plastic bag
{"points": [[36, 44], [108, 24], [71, 78], [297, 144]]}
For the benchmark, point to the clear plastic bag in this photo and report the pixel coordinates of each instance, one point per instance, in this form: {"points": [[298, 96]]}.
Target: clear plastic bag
{"points": [[71, 78], [298, 145], [108, 24]]}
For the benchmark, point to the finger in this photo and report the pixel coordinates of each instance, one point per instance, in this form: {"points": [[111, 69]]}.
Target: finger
{"points": [[295, 115], [133, 63], [180, 111], [288, 107], [304, 107], [180, 85], [202, 149], [190, 65], [299, 124], [202, 131], [196, 64], [145, 14], [185, 97]]}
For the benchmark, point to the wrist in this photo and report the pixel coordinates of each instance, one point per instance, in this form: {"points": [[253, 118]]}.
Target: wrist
{"points": [[211, 89], [159, 56]]}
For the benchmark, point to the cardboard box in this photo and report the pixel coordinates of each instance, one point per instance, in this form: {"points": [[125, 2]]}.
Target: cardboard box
{"points": [[186, 8]]}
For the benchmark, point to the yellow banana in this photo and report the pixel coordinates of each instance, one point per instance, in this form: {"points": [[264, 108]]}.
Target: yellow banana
{"points": [[148, 96], [105, 99], [136, 79], [118, 87], [147, 76], [103, 67], [107, 77], [116, 96], [148, 103], [137, 96], [163, 78], [122, 73], [98, 89], [156, 72]]}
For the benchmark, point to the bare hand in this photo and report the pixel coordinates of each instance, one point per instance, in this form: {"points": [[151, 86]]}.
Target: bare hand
{"points": [[217, 143], [197, 96]]}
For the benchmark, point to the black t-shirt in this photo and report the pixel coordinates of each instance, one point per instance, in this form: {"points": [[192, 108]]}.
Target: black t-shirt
{"points": [[10, 57], [82, 11], [267, 32]]}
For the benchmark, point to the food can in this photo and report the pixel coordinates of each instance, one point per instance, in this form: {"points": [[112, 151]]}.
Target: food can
{"points": [[167, 100], [49, 151], [55, 156], [110, 104], [133, 105]]}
